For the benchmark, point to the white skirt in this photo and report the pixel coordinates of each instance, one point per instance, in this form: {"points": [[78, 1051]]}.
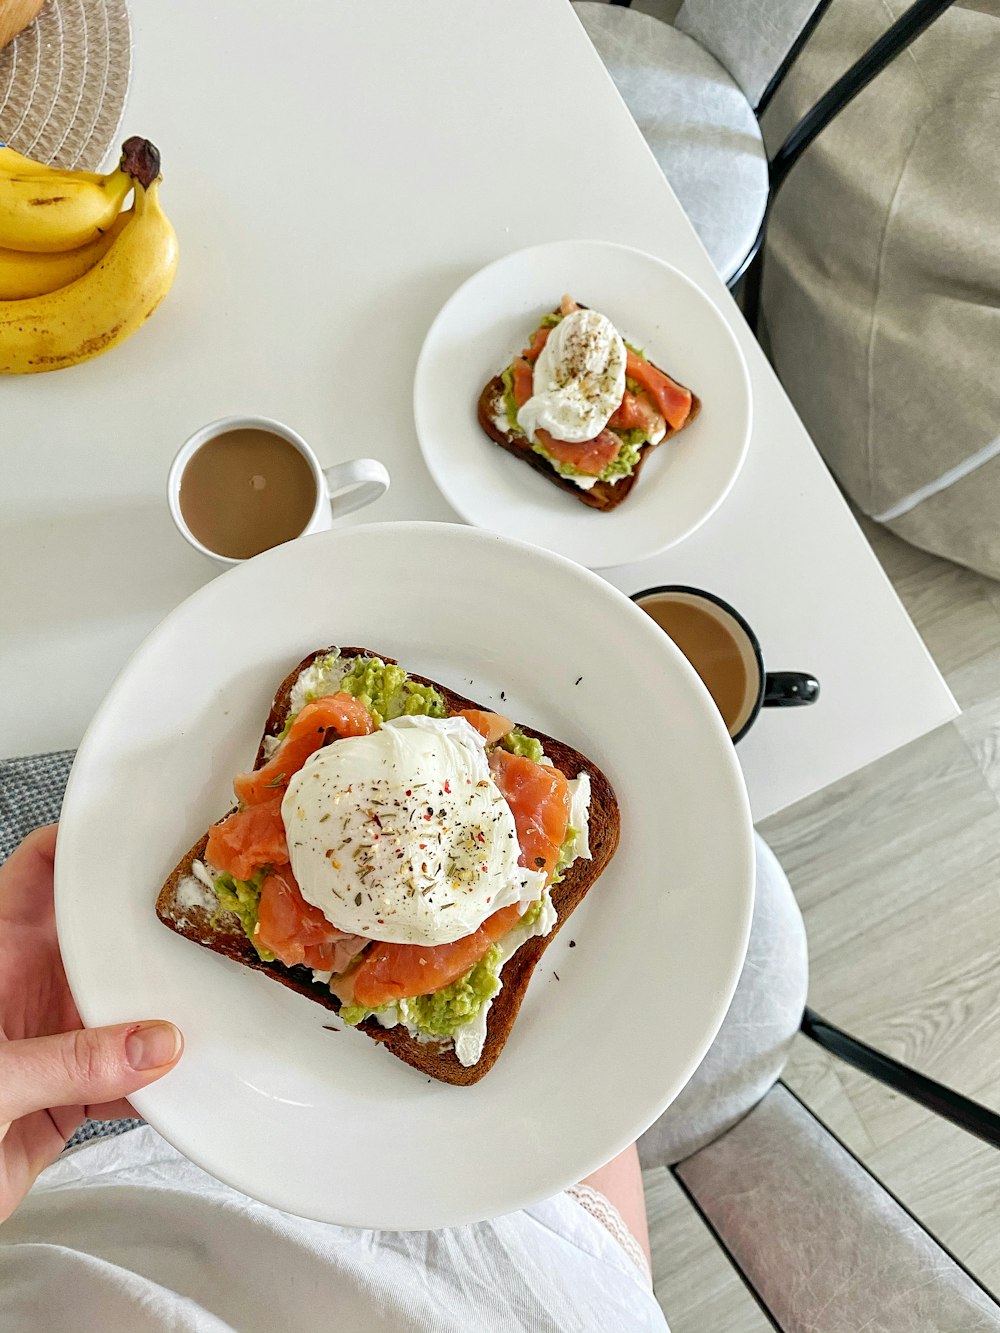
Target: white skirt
{"points": [[125, 1234]]}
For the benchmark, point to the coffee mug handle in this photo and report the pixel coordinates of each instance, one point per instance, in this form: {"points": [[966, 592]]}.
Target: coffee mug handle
{"points": [[354, 484], [789, 689]]}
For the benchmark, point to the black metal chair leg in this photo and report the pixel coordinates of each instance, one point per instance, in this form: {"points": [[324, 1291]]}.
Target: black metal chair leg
{"points": [[748, 293], [962, 1111]]}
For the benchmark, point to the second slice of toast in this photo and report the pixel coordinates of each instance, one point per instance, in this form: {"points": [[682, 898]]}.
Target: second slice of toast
{"points": [[603, 495]]}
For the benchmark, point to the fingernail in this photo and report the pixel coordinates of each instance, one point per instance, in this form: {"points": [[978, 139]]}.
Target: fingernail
{"points": [[152, 1044]]}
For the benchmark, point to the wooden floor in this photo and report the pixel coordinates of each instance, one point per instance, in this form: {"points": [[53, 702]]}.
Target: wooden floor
{"points": [[897, 872]]}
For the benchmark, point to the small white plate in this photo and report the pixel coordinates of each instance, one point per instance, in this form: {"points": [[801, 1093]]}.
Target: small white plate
{"points": [[327, 1124], [486, 323]]}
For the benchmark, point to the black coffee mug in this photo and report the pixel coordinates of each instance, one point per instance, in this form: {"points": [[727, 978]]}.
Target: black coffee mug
{"points": [[764, 689]]}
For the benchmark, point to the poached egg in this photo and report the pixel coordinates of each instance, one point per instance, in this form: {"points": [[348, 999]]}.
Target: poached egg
{"points": [[402, 836], [579, 379]]}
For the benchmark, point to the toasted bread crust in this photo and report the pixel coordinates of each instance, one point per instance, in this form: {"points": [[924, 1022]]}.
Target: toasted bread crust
{"points": [[222, 932], [603, 495]]}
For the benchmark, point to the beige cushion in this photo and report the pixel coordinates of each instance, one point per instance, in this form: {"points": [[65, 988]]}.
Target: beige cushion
{"points": [[882, 281]]}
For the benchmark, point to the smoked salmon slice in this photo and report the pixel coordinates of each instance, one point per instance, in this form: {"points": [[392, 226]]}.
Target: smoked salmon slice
{"points": [[538, 340], [398, 971], [637, 412], [538, 795], [589, 456], [341, 714], [491, 726], [298, 933], [673, 401], [254, 836], [248, 839], [524, 379]]}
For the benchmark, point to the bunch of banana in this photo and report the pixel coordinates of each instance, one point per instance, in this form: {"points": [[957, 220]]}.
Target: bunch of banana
{"points": [[77, 274]]}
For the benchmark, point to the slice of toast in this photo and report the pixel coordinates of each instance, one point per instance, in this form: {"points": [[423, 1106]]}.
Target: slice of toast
{"points": [[603, 495], [223, 933]]}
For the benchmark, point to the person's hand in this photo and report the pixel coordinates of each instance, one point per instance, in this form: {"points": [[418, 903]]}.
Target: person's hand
{"points": [[53, 1071]]}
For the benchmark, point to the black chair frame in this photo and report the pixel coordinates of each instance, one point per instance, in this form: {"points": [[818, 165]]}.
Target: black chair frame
{"points": [[867, 67], [952, 1106]]}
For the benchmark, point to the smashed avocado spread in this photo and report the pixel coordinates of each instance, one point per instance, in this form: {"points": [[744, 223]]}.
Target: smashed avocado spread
{"points": [[388, 692], [439, 1014], [510, 402], [242, 897], [518, 743], [567, 855]]}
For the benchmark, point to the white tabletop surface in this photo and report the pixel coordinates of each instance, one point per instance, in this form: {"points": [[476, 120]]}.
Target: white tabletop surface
{"points": [[333, 172]]}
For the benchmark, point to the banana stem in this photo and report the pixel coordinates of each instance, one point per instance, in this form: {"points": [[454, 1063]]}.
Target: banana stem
{"points": [[141, 160]]}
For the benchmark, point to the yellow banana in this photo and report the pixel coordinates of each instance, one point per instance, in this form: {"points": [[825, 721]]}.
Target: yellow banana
{"points": [[104, 306], [23, 274], [13, 163], [59, 211]]}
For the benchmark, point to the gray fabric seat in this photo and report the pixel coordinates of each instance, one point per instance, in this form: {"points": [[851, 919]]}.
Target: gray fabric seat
{"points": [[697, 122]]}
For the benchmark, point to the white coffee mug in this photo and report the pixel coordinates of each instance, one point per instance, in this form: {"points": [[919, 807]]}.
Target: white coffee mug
{"points": [[340, 489]]}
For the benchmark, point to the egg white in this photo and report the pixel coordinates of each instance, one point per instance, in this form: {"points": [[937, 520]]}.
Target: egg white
{"points": [[403, 836], [579, 379]]}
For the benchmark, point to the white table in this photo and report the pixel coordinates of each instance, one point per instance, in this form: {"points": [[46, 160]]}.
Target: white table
{"points": [[334, 170]]}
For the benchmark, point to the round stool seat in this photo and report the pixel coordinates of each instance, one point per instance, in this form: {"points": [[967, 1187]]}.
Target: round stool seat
{"points": [[700, 127]]}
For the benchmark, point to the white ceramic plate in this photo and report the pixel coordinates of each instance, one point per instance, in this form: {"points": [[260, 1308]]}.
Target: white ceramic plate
{"points": [[327, 1124], [489, 319]]}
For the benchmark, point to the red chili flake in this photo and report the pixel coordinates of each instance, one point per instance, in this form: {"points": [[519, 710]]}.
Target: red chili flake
{"points": [[409, 791], [422, 846], [447, 786]]}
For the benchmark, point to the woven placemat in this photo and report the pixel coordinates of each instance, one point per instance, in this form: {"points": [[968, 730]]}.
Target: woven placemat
{"points": [[64, 80]]}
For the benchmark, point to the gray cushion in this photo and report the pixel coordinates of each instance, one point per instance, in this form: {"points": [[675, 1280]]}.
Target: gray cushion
{"points": [[750, 1051], [750, 37], [881, 283], [821, 1242], [700, 127]]}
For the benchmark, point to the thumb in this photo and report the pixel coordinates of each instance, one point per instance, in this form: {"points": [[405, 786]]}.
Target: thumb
{"points": [[85, 1067]]}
